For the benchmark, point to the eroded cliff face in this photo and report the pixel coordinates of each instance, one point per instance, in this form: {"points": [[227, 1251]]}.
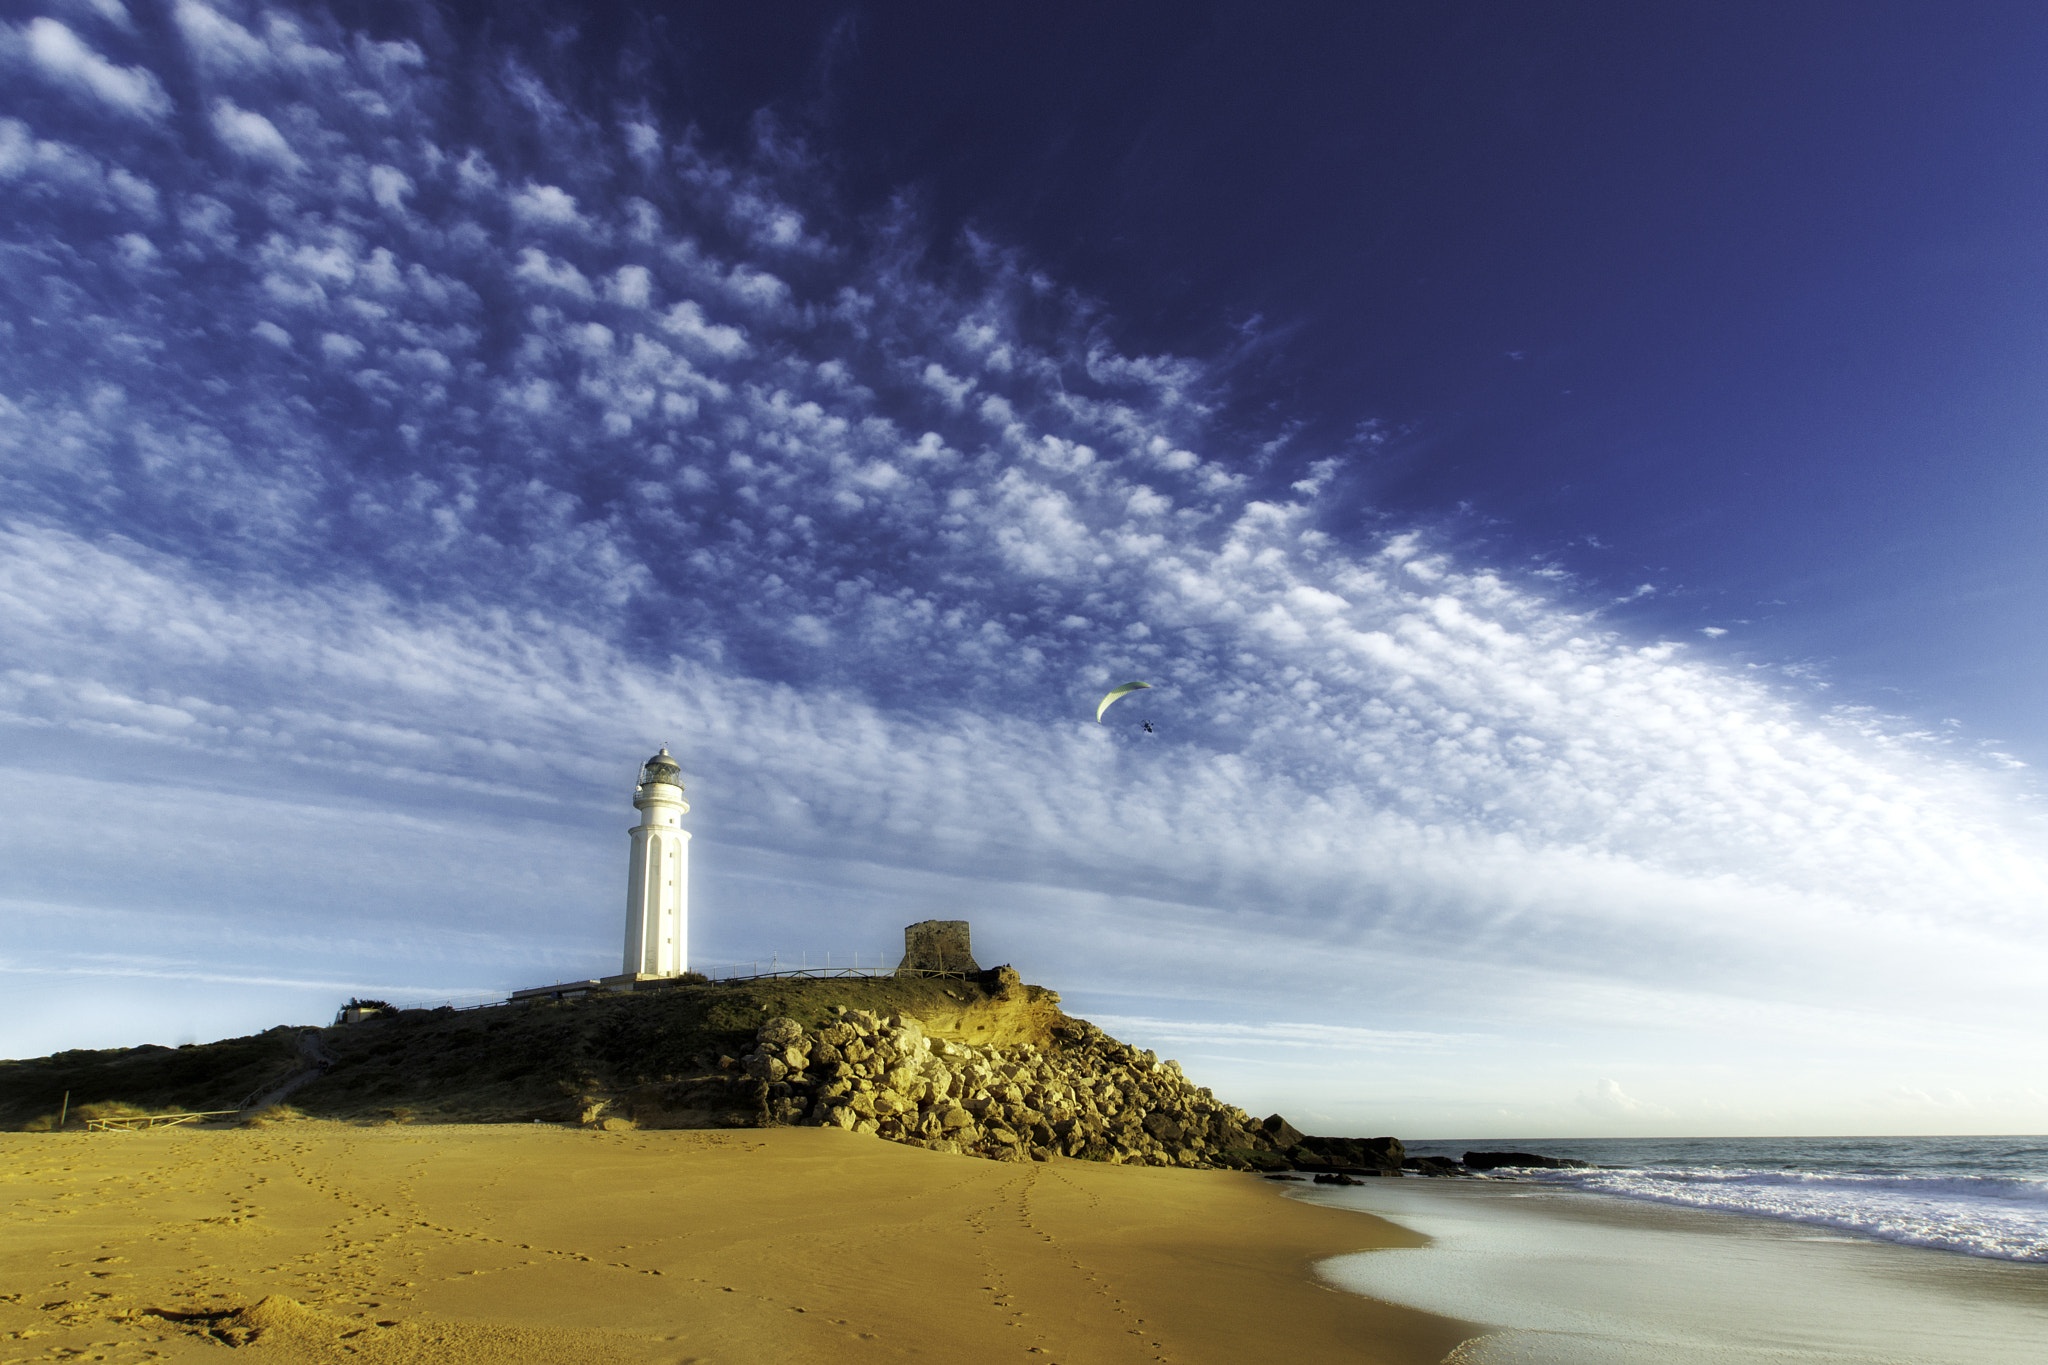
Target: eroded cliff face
{"points": [[1004, 1013], [992, 1069], [1007, 1076]]}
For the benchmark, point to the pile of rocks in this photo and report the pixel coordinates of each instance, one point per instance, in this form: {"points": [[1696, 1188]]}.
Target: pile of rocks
{"points": [[1085, 1095]]}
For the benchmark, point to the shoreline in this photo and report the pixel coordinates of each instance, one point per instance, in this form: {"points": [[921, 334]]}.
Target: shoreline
{"points": [[1565, 1276], [509, 1243]]}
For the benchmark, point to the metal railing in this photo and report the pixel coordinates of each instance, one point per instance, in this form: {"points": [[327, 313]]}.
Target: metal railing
{"points": [[849, 964], [468, 1000], [771, 968], [133, 1121], [833, 973]]}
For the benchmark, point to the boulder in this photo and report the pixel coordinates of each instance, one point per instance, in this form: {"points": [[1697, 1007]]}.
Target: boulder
{"points": [[1383, 1151], [1162, 1127], [780, 1033], [1282, 1134]]}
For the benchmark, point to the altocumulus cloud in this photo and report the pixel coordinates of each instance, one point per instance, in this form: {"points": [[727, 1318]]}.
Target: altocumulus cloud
{"points": [[395, 446]]}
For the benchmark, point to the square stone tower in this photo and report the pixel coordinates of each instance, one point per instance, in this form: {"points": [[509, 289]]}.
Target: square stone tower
{"points": [[937, 945]]}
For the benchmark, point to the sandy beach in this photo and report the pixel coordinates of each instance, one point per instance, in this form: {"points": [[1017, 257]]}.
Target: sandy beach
{"points": [[326, 1241]]}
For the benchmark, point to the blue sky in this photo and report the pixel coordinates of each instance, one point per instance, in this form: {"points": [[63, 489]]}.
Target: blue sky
{"points": [[1572, 481]]}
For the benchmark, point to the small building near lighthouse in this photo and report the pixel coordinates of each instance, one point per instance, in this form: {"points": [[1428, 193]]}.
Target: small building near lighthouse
{"points": [[658, 874]]}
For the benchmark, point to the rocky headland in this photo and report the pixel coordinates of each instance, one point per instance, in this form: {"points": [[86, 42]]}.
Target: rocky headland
{"points": [[1080, 1094], [987, 1066]]}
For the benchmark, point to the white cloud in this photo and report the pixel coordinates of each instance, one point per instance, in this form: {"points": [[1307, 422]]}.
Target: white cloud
{"points": [[390, 187], [633, 285], [63, 56], [1319, 476], [537, 267], [547, 205], [952, 388], [218, 41], [113, 11], [135, 249], [1609, 1101], [252, 135], [136, 194], [475, 173], [686, 320], [756, 288], [643, 142]]}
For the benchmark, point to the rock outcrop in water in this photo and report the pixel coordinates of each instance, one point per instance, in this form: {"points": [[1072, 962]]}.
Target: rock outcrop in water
{"points": [[1494, 1161]]}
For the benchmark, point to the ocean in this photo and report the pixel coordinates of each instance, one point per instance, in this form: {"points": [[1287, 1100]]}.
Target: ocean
{"points": [[1725, 1251], [1978, 1196]]}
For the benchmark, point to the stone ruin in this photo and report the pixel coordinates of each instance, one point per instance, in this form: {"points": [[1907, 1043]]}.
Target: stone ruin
{"points": [[937, 945]]}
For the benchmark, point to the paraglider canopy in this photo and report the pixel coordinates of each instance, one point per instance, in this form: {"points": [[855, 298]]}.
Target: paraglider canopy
{"points": [[1116, 692]]}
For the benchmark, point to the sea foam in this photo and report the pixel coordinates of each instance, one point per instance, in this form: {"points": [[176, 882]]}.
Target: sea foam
{"points": [[2003, 1216]]}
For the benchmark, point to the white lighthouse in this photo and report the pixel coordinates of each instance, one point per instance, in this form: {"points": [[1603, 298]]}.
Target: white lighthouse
{"points": [[658, 881]]}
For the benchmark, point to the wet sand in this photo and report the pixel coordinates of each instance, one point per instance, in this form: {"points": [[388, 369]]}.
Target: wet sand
{"points": [[322, 1242], [1567, 1277]]}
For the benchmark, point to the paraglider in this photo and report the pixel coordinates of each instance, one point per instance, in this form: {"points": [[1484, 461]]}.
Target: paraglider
{"points": [[1116, 692]]}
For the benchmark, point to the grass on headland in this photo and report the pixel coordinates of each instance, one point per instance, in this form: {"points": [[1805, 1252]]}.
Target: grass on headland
{"points": [[512, 1063], [269, 1114]]}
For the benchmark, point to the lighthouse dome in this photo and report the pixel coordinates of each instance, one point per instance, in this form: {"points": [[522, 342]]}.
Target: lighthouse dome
{"points": [[662, 768]]}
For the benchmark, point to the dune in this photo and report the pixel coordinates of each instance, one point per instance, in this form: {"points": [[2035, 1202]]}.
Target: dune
{"points": [[325, 1241]]}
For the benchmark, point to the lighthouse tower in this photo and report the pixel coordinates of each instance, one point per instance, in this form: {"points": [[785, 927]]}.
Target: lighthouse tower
{"points": [[658, 882]]}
